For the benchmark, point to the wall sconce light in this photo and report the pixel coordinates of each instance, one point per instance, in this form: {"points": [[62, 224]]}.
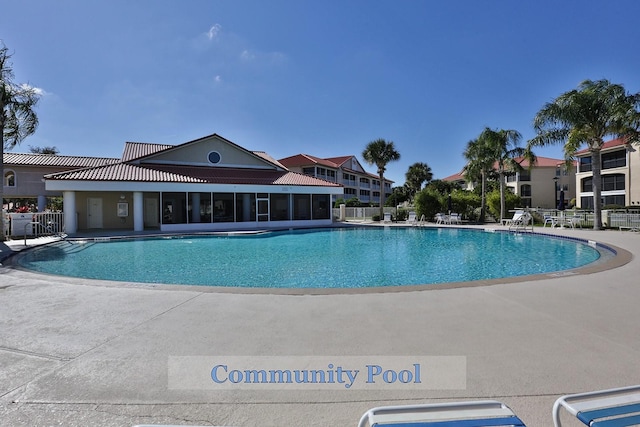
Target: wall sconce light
{"points": [[122, 197]]}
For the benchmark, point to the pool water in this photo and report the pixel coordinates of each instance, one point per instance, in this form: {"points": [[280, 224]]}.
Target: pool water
{"points": [[326, 258]]}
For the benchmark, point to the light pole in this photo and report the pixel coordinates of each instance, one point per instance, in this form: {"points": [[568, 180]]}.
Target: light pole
{"points": [[555, 192]]}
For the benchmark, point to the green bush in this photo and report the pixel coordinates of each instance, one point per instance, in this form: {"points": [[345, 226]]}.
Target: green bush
{"points": [[427, 203], [512, 201]]}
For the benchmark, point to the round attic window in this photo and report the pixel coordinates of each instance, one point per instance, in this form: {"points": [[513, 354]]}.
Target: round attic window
{"points": [[214, 157]]}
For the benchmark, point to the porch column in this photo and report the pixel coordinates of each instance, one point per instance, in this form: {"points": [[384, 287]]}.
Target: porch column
{"points": [[246, 207], [195, 207], [70, 214], [138, 211], [42, 203]]}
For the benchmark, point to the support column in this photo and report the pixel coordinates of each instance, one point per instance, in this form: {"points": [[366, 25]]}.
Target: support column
{"points": [[138, 211], [42, 203], [195, 207], [246, 207], [70, 213]]}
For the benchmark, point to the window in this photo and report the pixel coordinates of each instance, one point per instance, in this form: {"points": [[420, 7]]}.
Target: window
{"points": [[301, 206], [199, 207], [525, 190], [350, 191], [174, 208], [321, 205], [223, 208], [613, 182], [214, 157], [279, 207], [616, 159], [245, 207], [511, 178], [525, 176], [364, 193], [9, 178], [309, 171], [585, 164]]}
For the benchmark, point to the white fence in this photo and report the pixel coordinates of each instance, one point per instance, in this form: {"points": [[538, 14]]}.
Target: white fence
{"points": [[362, 214], [34, 224]]}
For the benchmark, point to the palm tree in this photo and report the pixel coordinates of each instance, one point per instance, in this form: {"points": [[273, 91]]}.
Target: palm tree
{"points": [[586, 116], [417, 174], [380, 153], [17, 118], [479, 165], [503, 148]]}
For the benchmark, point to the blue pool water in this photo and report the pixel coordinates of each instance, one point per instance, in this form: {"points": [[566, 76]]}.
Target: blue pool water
{"points": [[328, 258]]}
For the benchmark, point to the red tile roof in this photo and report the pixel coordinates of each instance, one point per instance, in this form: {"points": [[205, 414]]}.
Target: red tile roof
{"points": [[135, 150], [28, 159], [607, 145], [305, 160], [190, 174]]}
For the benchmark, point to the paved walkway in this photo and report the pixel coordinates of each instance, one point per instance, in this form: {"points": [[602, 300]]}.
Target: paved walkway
{"points": [[79, 352]]}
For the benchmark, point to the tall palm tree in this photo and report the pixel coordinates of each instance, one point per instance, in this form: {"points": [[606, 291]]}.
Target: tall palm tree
{"points": [[503, 147], [479, 165], [586, 116], [380, 153], [417, 174], [17, 118]]}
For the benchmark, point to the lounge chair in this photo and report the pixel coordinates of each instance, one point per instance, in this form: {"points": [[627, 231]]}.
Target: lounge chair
{"points": [[516, 216], [412, 219], [574, 221], [454, 218], [548, 219], [442, 219], [522, 222], [616, 407], [387, 217], [457, 414]]}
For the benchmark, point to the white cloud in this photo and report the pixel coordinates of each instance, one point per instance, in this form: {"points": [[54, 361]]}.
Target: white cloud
{"points": [[214, 31], [247, 56], [217, 79], [38, 91]]}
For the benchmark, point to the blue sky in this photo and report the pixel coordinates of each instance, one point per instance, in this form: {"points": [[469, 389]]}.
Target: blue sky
{"points": [[321, 78]]}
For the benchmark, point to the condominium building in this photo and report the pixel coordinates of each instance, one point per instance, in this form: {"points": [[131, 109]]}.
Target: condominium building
{"points": [[345, 170], [620, 175]]}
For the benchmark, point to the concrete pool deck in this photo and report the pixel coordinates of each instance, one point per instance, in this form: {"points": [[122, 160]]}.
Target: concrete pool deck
{"points": [[80, 352]]}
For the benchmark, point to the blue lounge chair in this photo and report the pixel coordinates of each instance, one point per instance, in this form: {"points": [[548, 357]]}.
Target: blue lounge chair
{"points": [[483, 413], [617, 407]]}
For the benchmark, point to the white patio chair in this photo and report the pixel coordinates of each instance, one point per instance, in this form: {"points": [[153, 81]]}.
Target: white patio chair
{"points": [[469, 414], [615, 407]]}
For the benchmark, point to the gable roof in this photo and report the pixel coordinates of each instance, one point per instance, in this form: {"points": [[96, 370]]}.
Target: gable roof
{"points": [[138, 165], [188, 174], [299, 160], [614, 143], [51, 160]]}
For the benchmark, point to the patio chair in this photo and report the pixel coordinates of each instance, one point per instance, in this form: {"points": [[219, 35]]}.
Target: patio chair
{"points": [[522, 222], [516, 216], [616, 407], [456, 414], [548, 219], [454, 218], [412, 219], [574, 221], [442, 218], [387, 217]]}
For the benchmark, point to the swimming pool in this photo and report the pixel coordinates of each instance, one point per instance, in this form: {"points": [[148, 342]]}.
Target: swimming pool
{"points": [[323, 258]]}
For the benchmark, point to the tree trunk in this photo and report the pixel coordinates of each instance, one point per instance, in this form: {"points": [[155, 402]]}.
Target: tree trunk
{"points": [[2, 176], [381, 196], [596, 166], [483, 198], [502, 201]]}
